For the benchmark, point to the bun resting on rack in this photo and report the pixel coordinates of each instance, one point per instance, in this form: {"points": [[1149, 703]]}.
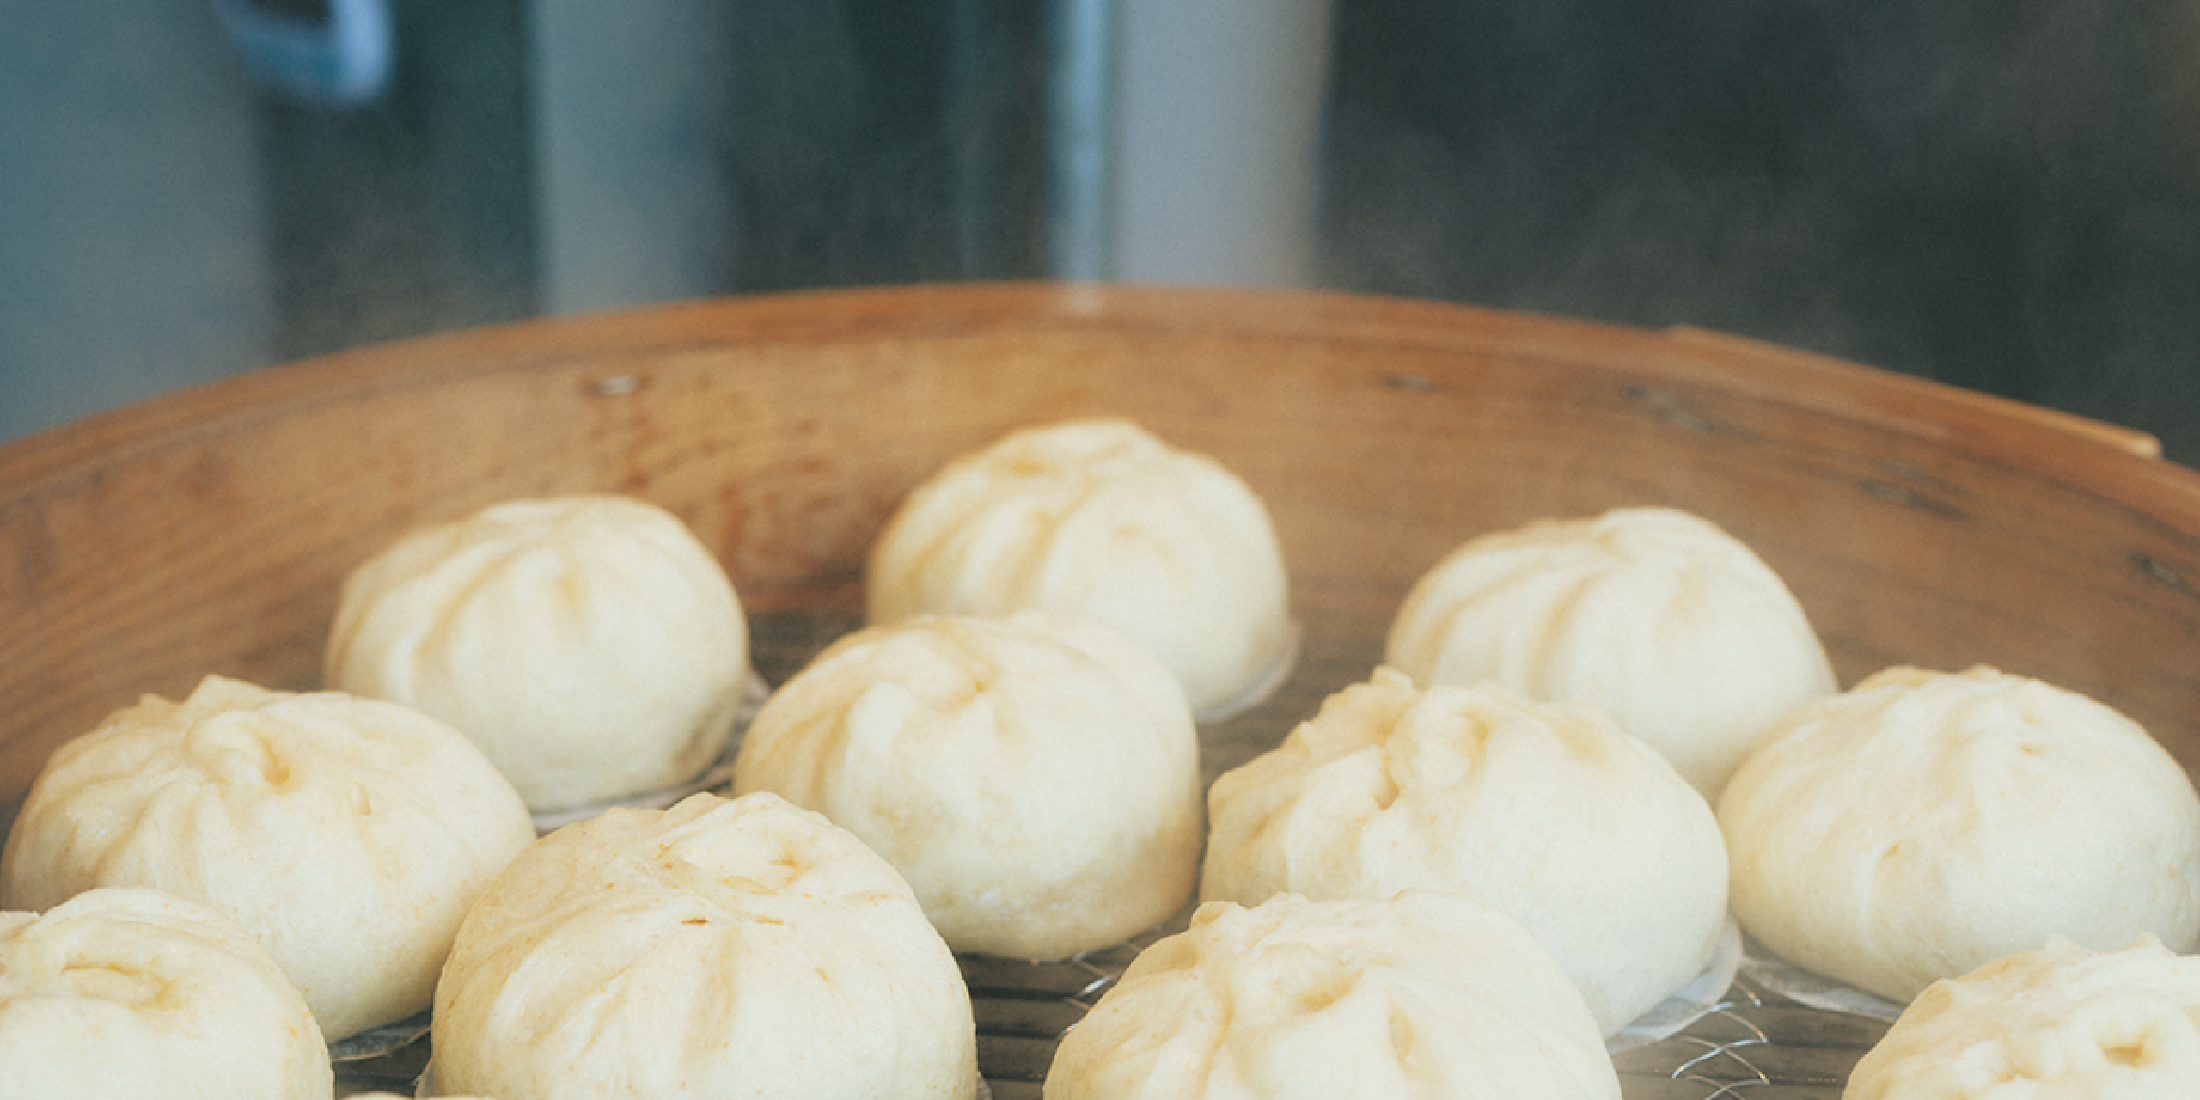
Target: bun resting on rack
{"points": [[1035, 778], [395, 1096], [2059, 1021], [1098, 518], [1657, 617], [589, 644], [133, 994], [1423, 994], [717, 948], [346, 835], [1544, 811], [1923, 824]]}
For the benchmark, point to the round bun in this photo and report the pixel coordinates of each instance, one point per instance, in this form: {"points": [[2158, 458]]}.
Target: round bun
{"points": [[346, 835], [1034, 778], [590, 645], [1424, 994], [1101, 519], [1546, 812], [2059, 1021], [717, 948], [1656, 617], [1923, 824], [131, 994], [395, 1096]]}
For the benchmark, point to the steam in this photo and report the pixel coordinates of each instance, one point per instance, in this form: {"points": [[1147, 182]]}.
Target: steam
{"points": [[2007, 199]]}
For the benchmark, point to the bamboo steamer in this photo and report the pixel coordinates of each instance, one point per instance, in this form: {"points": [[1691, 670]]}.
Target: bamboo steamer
{"points": [[208, 531]]}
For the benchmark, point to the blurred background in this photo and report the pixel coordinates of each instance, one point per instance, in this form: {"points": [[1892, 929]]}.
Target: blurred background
{"points": [[2000, 195]]}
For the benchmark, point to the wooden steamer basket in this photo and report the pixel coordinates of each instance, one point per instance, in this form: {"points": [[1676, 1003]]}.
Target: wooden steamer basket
{"points": [[208, 531]]}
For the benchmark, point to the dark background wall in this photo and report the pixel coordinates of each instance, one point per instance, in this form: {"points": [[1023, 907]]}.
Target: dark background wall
{"points": [[2001, 195]]}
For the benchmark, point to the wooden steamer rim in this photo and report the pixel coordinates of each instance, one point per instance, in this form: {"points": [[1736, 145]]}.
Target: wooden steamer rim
{"points": [[207, 531]]}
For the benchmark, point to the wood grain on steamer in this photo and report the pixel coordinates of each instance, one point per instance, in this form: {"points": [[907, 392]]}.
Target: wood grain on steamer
{"points": [[208, 531]]}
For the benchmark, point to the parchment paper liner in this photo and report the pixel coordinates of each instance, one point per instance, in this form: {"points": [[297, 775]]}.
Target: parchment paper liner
{"points": [[1706, 991], [424, 1089], [1775, 975], [718, 774], [377, 1042], [1263, 685]]}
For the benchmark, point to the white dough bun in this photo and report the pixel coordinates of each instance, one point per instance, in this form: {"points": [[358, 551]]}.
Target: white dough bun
{"points": [[1925, 823], [1423, 994], [1102, 519], [740, 947], [2060, 1021], [1655, 616], [1546, 812], [134, 994], [347, 835], [1035, 778], [590, 644]]}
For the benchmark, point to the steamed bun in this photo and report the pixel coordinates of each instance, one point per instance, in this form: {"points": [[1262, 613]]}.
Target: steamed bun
{"points": [[1657, 617], [346, 835], [1098, 518], [1421, 995], [424, 1091], [589, 644], [1923, 824], [2061, 1021], [716, 948], [1035, 778], [133, 994], [395, 1096], [1546, 812]]}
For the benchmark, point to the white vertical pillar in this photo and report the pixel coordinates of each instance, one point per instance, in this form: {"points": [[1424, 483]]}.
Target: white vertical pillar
{"points": [[1215, 166], [632, 199], [1080, 121]]}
